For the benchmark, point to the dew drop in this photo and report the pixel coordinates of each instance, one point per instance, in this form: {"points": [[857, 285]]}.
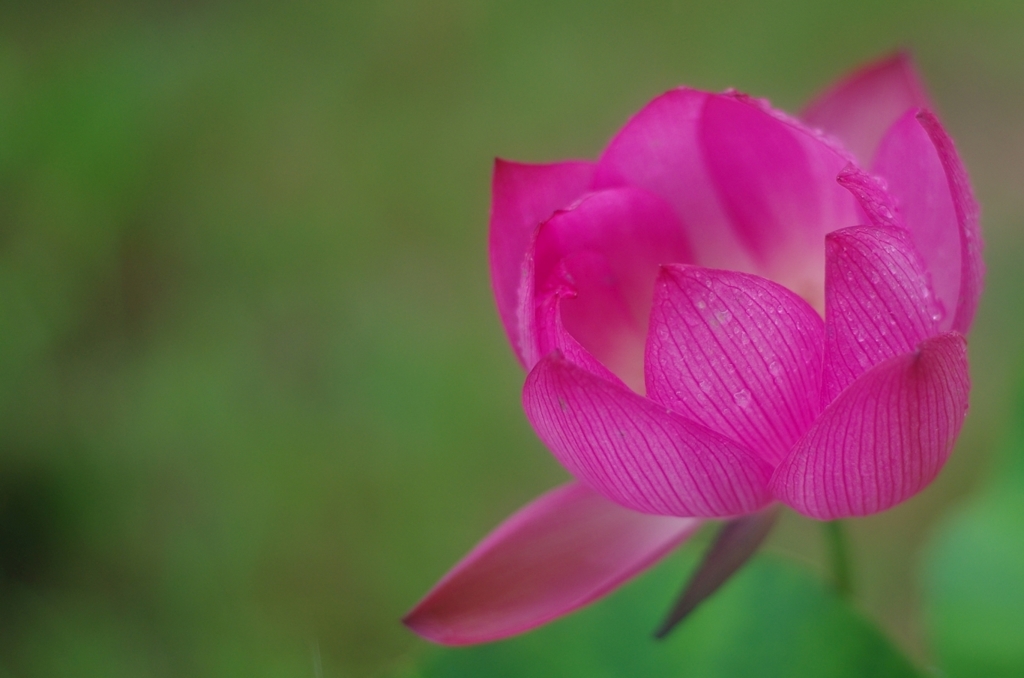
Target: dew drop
{"points": [[742, 398], [723, 316], [705, 386], [775, 368]]}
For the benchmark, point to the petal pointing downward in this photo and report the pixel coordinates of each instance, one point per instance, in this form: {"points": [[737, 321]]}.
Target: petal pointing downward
{"points": [[562, 551], [884, 438], [636, 452]]}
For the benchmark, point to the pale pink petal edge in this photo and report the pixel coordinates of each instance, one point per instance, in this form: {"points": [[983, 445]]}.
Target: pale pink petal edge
{"points": [[630, 543]]}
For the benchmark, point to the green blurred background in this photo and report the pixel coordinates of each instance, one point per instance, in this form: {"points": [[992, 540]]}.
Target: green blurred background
{"points": [[254, 395]]}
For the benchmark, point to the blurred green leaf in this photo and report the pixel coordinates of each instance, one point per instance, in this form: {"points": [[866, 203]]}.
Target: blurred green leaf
{"points": [[771, 620], [973, 577]]}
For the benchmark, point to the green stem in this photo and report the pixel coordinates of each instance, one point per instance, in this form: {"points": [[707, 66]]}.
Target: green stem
{"points": [[839, 555]]}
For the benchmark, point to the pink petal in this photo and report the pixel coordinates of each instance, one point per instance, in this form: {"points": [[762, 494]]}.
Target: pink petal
{"points": [[972, 267], [736, 353], [522, 197], [925, 175], [861, 107], [554, 337], [884, 439], [777, 183], [604, 253], [878, 304], [658, 150], [878, 205], [564, 550], [637, 453]]}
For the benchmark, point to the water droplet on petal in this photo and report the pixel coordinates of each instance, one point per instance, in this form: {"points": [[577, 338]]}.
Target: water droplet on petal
{"points": [[742, 398]]}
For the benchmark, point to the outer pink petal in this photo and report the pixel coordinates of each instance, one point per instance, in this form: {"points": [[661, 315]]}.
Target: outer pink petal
{"points": [[737, 353], [637, 453], [927, 179], [777, 183], [878, 304], [861, 107], [884, 438], [658, 150], [522, 197], [558, 553], [972, 267], [606, 250]]}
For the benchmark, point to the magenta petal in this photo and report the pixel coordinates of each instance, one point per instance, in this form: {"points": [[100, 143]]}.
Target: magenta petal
{"points": [[522, 197], [552, 336], [604, 252], [884, 438], [637, 453], [878, 304], [972, 267], [737, 353], [878, 205], [562, 551], [926, 178], [659, 150], [777, 183], [862, 106]]}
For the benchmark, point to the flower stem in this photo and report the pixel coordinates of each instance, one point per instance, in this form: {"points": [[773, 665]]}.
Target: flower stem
{"points": [[839, 555]]}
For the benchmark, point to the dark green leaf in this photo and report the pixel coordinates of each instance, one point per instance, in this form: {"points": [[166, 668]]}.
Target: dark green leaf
{"points": [[975, 599]]}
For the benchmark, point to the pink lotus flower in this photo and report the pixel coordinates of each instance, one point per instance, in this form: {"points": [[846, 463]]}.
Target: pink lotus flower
{"points": [[730, 308]]}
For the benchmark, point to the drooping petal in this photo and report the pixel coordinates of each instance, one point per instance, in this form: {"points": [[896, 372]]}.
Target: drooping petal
{"points": [[558, 553], [523, 196], [924, 174], [878, 304], [972, 267], [860, 108], [659, 150], [737, 353], [637, 453], [777, 183], [606, 249], [735, 543], [884, 438]]}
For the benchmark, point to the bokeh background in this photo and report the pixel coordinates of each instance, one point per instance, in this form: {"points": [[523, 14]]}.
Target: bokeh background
{"points": [[254, 395]]}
